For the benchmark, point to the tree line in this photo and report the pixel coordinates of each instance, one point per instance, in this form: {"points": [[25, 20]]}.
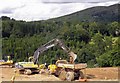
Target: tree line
{"points": [[95, 43]]}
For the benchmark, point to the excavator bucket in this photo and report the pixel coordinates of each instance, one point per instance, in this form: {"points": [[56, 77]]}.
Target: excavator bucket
{"points": [[73, 55]]}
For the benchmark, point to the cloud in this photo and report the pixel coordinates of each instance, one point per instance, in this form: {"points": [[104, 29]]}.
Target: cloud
{"points": [[8, 7], [10, 10], [6, 11], [75, 1], [39, 10]]}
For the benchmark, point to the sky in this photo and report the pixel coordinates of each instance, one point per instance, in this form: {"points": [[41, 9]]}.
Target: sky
{"points": [[33, 10]]}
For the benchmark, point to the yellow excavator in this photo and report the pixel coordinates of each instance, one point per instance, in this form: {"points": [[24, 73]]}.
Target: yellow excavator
{"points": [[9, 62], [27, 68], [63, 69]]}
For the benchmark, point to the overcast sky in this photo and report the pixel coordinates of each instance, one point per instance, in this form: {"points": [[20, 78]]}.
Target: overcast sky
{"points": [[30, 10]]}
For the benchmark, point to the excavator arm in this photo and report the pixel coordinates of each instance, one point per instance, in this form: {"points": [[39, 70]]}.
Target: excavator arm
{"points": [[49, 45]]}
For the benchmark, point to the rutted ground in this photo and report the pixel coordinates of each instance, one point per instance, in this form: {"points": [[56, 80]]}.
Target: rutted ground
{"points": [[92, 74]]}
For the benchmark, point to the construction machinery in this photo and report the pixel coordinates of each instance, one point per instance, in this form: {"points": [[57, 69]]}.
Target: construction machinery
{"points": [[8, 62], [50, 44], [63, 69], [27, 68]]}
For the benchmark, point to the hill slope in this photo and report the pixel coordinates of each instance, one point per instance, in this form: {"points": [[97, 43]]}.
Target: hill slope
{"points": [[99, 14]]}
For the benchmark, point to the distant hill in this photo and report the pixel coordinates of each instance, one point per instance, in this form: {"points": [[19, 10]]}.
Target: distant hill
{"points": [[98, 14]]}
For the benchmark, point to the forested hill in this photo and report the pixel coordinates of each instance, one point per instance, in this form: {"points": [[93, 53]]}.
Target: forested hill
{"points": [[98, 14], [93, 34]]}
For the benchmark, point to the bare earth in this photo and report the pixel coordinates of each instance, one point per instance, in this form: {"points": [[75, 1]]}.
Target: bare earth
{"points": [[92, 74]]}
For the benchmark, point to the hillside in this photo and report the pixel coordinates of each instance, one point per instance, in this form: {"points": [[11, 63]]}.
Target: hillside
{"points": [[94, 42], [98, 14]]}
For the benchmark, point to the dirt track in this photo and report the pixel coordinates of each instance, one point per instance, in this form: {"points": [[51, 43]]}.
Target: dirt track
{"points": [[92, 74]]}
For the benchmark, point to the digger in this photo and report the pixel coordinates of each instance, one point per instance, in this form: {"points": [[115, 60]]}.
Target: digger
{"points": [[27, 68], [9, 62], [63, 69]]}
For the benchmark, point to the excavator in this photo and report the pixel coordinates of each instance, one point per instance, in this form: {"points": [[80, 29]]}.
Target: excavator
{"points": [[50, 44], [62, 68], [4, 63]]}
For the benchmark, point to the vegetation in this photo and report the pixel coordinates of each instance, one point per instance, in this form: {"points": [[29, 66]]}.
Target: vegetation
{"points": [[95, 42]]}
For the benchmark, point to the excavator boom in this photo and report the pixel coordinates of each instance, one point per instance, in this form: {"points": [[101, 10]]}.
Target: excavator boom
{"points": [[49, 45]]}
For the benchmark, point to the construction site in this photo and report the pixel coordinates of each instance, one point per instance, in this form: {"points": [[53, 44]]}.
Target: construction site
{"points": [[60, 70], [60, 41], [92, 74]]}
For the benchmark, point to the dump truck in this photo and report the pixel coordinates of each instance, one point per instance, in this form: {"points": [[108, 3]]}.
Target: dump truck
{"points": [[68, 71], [63, 69]]}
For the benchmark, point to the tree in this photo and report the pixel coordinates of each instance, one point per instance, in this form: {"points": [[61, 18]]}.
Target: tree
{"points": [[113, 28], [99, 44]]}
